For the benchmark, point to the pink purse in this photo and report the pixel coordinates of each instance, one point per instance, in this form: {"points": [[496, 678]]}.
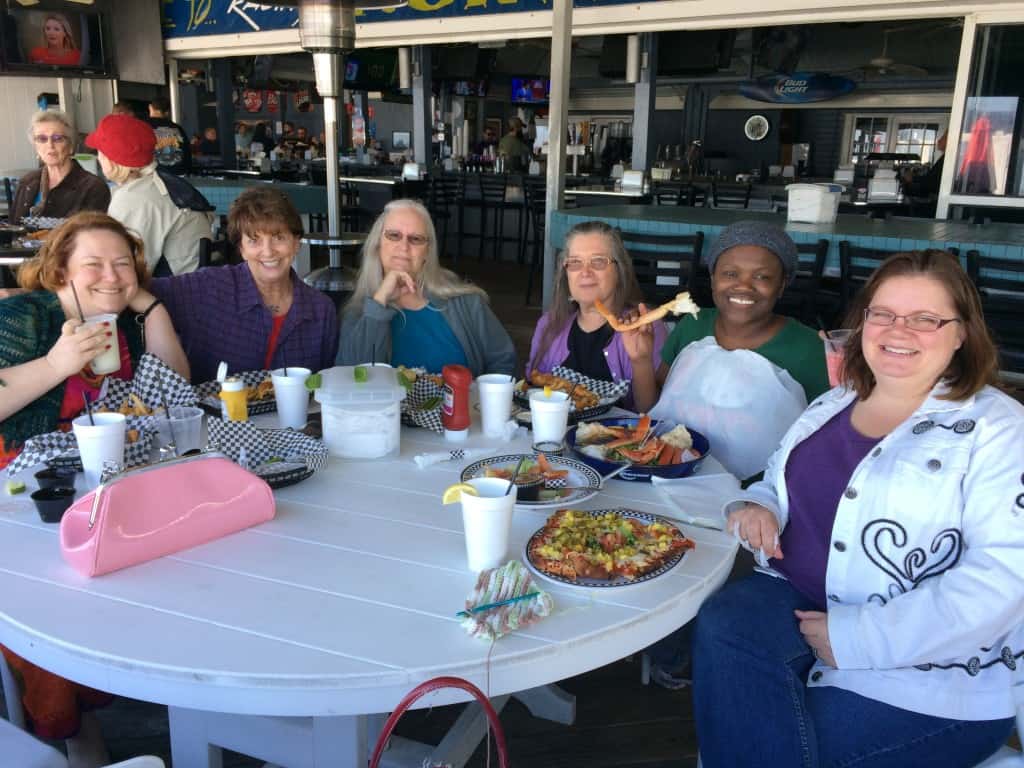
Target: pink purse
{"points": [[160, 509]]}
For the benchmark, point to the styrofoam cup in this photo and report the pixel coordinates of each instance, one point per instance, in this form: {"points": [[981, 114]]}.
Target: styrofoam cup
{"points": [[495, 402], [487, 521], [549, 416], [99, 443], [292, 396]]}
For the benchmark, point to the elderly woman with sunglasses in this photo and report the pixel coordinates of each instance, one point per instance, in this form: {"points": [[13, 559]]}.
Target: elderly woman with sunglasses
{"points": [[572, 333], [407, 310], [61, 187], [890, 634]]}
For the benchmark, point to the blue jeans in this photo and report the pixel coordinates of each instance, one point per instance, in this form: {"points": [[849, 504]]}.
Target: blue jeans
{"points": [[752, 705]]}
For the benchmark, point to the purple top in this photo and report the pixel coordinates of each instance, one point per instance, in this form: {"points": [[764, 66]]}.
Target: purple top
{"points": [[615, 353], [219, 315], [817, 473]]}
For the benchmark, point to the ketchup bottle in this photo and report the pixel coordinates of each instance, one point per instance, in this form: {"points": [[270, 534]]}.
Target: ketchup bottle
{"points": [[455, 404]]}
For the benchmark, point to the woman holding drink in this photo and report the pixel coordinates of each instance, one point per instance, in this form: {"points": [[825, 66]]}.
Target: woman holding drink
{"points": [[884, 628], [49, 361]]}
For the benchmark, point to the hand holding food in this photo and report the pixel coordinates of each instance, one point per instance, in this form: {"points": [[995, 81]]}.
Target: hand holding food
{"points": [[75, 348], [681, 304], [639, 342]]}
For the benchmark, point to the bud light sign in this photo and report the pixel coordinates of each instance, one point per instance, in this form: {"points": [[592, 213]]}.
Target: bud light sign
{"points": [[797, 88]]}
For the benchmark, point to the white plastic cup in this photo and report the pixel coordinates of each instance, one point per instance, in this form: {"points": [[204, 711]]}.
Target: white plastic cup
{"points": [[109, 360], [99, 443], [549, 416], [292, 396], [487, 521], [183, 426], [495, 402]]}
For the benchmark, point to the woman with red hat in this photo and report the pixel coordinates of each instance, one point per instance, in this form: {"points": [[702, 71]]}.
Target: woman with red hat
{"points": [[168, 213]]}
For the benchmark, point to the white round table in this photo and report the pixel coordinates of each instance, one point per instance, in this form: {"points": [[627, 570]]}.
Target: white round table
{"points": [[280, 640]]}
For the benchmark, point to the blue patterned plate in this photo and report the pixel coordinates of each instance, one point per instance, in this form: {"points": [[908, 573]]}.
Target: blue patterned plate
{"points": [[640, 473], [583, 481]]}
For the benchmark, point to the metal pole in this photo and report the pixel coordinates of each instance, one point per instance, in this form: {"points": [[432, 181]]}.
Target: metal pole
{"points": [[175, 90], [558, 117], [328, 68], [422, 119], [643, 102]]}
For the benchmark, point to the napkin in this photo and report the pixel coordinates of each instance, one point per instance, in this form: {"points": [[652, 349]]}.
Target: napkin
{"points": [[424, 460], [700, 499], [492, 586]]}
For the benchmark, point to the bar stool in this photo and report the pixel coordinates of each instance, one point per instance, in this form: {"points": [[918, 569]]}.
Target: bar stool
{"points": [[535, 190], [492, 207], [445, 192]]}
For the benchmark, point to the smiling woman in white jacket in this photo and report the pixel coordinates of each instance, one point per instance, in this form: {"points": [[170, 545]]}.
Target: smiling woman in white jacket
{"points": [[886, 626]]}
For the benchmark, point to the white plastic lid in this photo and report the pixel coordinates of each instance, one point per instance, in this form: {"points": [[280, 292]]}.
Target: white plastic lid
{"points": [[339, 386]]}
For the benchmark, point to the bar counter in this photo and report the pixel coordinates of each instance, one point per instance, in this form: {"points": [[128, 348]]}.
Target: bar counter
{"points": [[307, 198], [995, 239]]}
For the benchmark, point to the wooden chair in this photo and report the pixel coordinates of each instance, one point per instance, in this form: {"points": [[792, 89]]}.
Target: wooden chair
{"points": [[801, 298], [730, 195], [855, 266], [1000, 282], [665, 264]]}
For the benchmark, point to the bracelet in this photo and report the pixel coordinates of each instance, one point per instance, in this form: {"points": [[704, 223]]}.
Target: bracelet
{"points": [[143, 315]]}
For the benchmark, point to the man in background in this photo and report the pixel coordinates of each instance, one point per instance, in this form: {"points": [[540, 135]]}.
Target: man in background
{"points": [[172, 147]]}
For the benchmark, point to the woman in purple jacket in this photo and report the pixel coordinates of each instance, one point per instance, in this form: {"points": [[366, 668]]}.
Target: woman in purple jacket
{"points": [[595, 266]]}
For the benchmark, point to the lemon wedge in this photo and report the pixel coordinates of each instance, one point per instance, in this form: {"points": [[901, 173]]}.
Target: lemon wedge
{"points": [[454, 493], [547, 392]]}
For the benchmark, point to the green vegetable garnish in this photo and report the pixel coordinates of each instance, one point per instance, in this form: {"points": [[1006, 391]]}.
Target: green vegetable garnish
{"points": [[360, 374], [404, 380], [14, 486], [314, 382]]}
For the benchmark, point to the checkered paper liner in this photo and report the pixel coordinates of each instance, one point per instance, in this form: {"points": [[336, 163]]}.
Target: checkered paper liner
{"points": [[608, 392], [209, 391], [41, 222], [265, 449], [61, 449], [422, 405]]}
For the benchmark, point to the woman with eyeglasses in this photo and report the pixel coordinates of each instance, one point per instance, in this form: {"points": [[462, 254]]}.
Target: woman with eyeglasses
{"points": [[61, 187], [739, 373], [257, 314], [884, 628], [408, 310], [572, 333]]}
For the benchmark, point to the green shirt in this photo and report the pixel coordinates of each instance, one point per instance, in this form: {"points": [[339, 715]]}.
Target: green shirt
{"points": [[795, 348]]}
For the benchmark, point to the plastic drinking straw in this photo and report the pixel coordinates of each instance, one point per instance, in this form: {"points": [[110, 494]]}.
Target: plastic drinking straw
{"points": [[81, 314], [88, 407], [515, 475]]}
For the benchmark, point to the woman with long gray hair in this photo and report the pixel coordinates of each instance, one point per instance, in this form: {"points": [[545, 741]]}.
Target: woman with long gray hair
{"points": [[408, 310], [595, 266]]}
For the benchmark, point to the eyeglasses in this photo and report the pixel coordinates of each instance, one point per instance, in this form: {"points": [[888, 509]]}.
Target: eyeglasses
{"points": [[56, 138], [919, 322], [598, 264], [414, 239]]}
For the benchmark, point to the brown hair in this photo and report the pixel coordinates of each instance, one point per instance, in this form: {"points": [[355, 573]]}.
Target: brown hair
{"points": [[974, 364], [46, 270], [627, 289], [262, 210]]}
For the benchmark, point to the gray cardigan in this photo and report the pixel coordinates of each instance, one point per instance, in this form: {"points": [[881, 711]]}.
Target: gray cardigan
{"points": [[485, 341]]}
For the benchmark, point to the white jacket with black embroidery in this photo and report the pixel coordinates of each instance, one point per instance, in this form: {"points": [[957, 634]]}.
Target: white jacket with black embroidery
{"points": [[925, 576]]}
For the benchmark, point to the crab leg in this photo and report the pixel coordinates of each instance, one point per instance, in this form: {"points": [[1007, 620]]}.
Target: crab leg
{"points": [[680, 304]]}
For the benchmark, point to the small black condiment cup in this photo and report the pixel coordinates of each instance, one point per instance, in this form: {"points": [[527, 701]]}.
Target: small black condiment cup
{"points": [[52, 477], [52, 503]]}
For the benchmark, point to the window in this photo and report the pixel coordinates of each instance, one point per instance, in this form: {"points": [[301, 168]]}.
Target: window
{"points": [[894, 132]]}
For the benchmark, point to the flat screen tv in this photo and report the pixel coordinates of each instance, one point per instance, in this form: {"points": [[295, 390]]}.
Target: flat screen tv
{"points": [[56, 37], [535, 90]]}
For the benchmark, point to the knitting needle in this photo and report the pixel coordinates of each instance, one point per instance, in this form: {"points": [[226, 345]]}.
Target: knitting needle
{"points": [[489, 606]]}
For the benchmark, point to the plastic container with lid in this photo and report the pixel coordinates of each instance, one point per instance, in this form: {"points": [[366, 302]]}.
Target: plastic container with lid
{"points": [[361, 411]]}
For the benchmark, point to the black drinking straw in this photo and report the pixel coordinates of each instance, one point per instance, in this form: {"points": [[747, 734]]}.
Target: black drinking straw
{"points": [[81, 314], [88, 407], [373, 355]]}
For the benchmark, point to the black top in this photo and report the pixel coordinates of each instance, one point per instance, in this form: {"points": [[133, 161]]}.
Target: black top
{"points": [[78, 191], [172, 148], [586, 351]]}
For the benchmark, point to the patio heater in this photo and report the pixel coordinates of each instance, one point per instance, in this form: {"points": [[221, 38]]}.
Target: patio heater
{"points": [[327, 30]]}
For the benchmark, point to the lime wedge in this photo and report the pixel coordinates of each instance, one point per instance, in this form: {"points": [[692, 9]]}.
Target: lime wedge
{"points": [[360, 374], [314, 382], [17, 486], [454, 493]]}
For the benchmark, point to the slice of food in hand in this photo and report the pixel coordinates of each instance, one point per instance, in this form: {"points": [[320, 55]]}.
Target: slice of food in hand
{"points": [[453, 493], [13, 487], [681, 304]]}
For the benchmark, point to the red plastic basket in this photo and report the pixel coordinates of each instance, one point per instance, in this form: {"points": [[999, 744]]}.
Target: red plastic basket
{"points": [[422, 690]]}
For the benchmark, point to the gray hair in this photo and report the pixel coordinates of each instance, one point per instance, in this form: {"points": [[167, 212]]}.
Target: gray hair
{"points": [[433, 280], [52, 116]]}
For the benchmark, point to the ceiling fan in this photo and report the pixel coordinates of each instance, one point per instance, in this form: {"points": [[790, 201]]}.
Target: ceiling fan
{"points": [[884, 65]]}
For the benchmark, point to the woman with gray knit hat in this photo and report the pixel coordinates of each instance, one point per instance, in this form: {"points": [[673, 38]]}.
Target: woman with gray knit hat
{"points": [[740, 373]]}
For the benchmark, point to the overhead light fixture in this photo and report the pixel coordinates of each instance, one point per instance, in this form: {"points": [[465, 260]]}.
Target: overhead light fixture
{"points": [[633, 58]]}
